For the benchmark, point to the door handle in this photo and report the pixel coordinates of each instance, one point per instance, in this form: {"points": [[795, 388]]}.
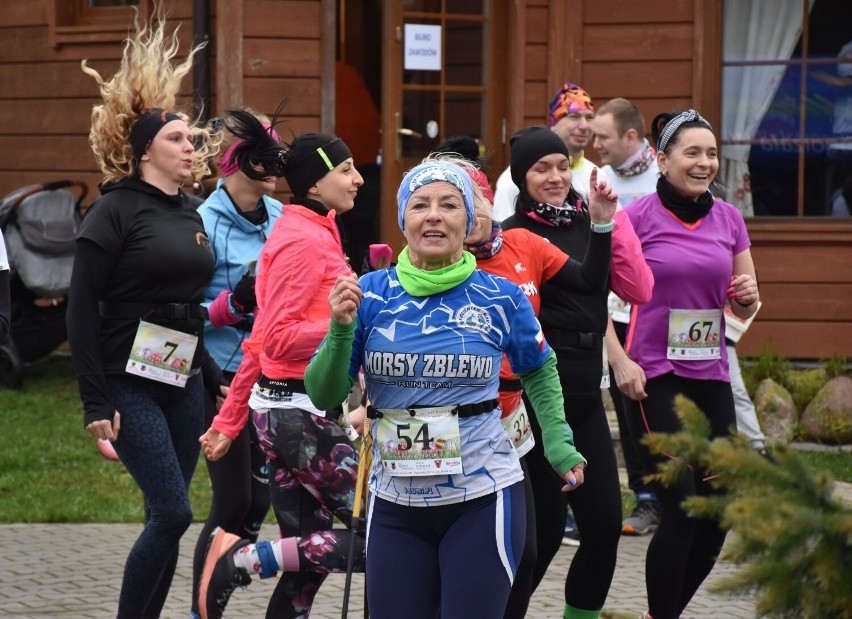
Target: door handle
{"points": [[409, 132], [400, 130]]}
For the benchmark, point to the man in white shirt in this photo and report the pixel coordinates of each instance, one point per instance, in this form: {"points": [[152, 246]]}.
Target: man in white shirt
{"points": [[570, 116], [630, 167], [630, 162]]}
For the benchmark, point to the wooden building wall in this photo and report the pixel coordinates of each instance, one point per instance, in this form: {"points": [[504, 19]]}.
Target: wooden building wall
{"points": [[271, 50], [660, 54], [666, 54], [282, 58], [263, 51], [46, 99], [657, 53], [805, 286]]}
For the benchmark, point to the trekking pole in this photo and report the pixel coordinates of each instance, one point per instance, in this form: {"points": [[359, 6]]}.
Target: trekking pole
{"points": [[364, 461]]}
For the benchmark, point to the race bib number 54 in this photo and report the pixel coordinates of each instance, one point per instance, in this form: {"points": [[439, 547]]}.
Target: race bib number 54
{"points": [[426, 443]]}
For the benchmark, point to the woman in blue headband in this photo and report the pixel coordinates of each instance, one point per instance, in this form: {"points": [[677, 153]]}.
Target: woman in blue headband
{"points": [[312, 465], [446, 511]]}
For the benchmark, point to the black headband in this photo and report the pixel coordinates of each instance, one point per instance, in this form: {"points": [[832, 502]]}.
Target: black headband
{"points": [[303, 174], [147, 127]]}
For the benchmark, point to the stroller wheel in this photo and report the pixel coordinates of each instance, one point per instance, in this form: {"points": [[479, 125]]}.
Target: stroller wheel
{"points": [[11, 368]]}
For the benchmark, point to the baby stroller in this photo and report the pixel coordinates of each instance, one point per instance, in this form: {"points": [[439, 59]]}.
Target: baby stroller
{"points": [[40, 224]]}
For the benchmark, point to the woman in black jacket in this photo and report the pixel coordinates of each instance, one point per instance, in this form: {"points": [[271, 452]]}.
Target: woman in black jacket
{"points": [[135, 321], [574, 326]]}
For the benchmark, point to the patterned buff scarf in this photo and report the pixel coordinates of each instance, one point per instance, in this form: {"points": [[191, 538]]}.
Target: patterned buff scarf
{"points": [[490, 246], [549, 214], [637, 163]]}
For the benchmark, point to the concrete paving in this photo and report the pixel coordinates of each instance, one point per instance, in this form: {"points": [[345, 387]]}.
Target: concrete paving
{"points": [[75, 570]]}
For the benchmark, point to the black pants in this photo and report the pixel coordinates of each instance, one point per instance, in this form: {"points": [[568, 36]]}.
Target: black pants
{"points": [[684, 549], [596, 506], [240, 490]]}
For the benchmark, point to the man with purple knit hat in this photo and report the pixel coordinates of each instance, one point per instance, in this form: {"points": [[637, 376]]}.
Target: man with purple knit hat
{"points": [[570, 115]]}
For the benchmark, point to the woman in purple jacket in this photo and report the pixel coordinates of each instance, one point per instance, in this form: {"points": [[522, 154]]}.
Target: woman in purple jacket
{"points": [[698, 249]]}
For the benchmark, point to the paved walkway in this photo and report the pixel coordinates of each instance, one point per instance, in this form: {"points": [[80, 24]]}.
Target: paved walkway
{"points": [[74, 571]]}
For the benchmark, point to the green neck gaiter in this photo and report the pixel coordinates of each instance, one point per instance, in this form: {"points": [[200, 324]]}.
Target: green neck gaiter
{"points": [[420, 283]]}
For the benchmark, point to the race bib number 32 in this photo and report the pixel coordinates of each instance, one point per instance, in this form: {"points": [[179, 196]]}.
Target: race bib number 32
{"points": [[427, 443], [162, 354]]}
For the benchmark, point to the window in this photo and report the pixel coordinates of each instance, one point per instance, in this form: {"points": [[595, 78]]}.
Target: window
{"points": [[787, 107], [92, 21]]}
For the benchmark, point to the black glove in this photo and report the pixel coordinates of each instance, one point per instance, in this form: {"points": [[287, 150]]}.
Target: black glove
{"points": [[212, 376], [243, 295]]}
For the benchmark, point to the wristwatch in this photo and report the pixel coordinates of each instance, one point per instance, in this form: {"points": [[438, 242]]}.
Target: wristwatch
{"points": [[603, 228]]}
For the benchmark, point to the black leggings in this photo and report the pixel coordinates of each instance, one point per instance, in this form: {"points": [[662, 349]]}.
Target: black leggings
{"points": [[158, 445], [683, 549], [240, 490], [596, 506]]}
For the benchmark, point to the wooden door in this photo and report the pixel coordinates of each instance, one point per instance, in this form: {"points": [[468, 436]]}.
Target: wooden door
{"points": [[441, 77]]}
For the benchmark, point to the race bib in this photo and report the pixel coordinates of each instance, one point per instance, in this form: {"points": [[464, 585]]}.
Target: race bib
{"points": [[605, 368], [519, 429], [162, 354], [619, 309], [425, 443], [694, 335]]}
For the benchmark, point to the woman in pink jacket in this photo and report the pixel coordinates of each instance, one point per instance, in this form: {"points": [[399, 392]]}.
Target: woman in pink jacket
{"points": [[312, 464]]}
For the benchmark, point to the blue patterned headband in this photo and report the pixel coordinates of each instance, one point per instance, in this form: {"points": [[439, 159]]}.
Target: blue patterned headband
{"points": [[432, 172], [675, 123]]}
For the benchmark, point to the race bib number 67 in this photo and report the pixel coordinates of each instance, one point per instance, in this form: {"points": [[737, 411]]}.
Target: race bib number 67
{"points": [[694, 335]]}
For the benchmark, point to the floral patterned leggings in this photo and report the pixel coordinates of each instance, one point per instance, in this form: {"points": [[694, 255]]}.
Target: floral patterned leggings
{"points": [[313, 468]]}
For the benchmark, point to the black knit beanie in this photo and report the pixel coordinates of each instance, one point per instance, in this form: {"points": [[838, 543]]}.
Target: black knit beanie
{"points": [[311, 156], [528, 146]]}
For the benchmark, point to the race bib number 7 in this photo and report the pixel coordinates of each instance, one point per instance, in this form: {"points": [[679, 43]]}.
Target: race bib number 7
{"points": [[162, 354]]}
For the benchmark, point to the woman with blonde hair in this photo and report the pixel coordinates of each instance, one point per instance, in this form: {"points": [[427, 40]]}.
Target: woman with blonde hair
{"points": [[135, 320]]}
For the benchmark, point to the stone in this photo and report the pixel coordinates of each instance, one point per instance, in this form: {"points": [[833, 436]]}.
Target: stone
{"points": [[776, 411], [828, 417]]}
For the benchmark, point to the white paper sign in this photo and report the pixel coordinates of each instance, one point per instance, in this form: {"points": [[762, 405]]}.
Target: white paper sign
{"points": [[422, 47]]}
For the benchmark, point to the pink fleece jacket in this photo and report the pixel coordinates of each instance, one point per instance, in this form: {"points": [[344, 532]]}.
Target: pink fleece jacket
{"points": [[630, 277], [297, 268]]}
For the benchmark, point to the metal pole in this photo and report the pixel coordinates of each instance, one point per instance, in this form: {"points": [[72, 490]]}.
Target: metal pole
{"points": [[363, 465]]}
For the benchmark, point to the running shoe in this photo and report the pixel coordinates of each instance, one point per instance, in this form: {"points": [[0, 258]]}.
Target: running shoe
{"points": [[642, 520], [220, 576], [572, 533]]}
